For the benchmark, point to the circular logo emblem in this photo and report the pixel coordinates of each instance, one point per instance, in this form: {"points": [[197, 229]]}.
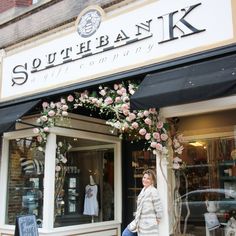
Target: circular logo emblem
{"points": [[89, 23]]}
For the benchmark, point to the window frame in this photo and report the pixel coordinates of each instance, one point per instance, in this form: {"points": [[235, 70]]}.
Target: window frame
{"points": [[49, 177]]}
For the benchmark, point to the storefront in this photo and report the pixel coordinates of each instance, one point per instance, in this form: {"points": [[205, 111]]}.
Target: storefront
{"points": [[188, 70]]}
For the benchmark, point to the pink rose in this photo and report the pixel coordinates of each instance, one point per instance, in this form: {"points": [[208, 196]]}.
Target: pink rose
{"points": [[152, 110], [45, 129], [128, 119], [123, 90], [64, 107], [94, 100], [116, 86], [51, 113], [124, 107], [117, 99], [108, 101], [126, 112], [36, 130], [45, 105], [58, 104], [134, 125], [148, 121], [156, 135], [132, 116], [160, 125], [119, 92], [103, 92], [39, 139], [147, 136], [164, 137], [142, 131], [159, 147], [153, 144], [70, 98], [146, 113]]}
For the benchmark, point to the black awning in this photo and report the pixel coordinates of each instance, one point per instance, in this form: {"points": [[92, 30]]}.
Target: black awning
{"points": [[10, 114], [197, 82]]}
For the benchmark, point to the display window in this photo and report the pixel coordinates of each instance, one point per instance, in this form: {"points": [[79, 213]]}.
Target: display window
{"points": [[84, 184], [205, 190], [25, 180], [69, 182]]}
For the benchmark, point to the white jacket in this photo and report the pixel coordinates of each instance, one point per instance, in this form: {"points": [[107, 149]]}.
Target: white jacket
{"points": [[149, 210]]}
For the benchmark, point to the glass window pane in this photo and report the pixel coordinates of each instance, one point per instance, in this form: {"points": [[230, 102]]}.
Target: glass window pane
{"points": [[25, 180], [84, 182], [207, 184]]}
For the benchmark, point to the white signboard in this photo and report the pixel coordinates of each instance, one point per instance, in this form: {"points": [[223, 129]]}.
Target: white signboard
{"points": [[102, 46]]}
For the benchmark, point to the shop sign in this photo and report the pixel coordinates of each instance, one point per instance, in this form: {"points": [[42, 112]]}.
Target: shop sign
{"points": [[104, 44]]}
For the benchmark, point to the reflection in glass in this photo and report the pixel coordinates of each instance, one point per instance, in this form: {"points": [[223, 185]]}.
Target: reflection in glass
{"points": [[208, 183], [72, 182], [25, 179], [87, 194]]}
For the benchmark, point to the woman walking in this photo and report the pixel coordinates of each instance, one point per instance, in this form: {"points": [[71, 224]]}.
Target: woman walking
{"points": [[149, 209]]}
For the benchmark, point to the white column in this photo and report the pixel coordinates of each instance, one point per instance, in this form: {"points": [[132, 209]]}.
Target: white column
{"points": [[49, 182], [163, 190]]}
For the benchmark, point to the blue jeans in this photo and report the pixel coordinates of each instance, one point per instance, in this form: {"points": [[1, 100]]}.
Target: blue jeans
{"points": [[127, 232]]}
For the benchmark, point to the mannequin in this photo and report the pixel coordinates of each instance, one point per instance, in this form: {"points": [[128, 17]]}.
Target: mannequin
{"points": [[91, 180], [90, 201]]}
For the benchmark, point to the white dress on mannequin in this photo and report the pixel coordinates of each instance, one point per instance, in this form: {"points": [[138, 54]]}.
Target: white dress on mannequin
{"points": [[90, 201]]}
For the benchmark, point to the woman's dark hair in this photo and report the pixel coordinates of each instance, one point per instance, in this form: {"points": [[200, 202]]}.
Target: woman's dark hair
{"points": [[152, 174]]}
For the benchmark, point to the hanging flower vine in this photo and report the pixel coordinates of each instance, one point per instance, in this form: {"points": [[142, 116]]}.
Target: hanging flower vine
{"points": [[114, 103]]}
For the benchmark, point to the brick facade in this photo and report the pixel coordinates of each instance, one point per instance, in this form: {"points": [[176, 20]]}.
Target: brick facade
{"points": [[8, 4], [42, 18]]}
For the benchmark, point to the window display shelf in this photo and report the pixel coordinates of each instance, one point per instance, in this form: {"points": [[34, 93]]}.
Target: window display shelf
{"points": [[229, 178], [227, 174], [135, 189], [227, 169]]}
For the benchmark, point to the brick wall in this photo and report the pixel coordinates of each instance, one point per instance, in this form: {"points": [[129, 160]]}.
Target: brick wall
{"points": [[8, 4], [44, 18], [22, 2], [16, 181]]}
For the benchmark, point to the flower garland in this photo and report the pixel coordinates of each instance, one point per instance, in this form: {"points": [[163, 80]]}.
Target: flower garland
{"points": [[114, 102], [51, 114]]}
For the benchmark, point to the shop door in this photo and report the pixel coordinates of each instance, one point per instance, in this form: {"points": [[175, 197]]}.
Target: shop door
{"points": [[135, 161]]}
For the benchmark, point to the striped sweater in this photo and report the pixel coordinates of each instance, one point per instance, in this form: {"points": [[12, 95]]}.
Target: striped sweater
{"points": [[149, 209]]}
